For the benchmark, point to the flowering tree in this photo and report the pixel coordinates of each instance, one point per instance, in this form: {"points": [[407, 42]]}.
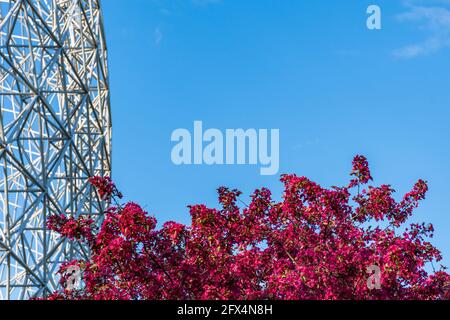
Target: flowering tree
{"points": [[316, 243]]}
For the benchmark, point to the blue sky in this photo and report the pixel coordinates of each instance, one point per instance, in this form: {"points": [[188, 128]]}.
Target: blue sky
{"points": [[309, 68]]}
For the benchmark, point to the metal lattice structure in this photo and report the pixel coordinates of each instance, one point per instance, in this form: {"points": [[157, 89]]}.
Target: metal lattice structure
{"points": [[55, 133]]}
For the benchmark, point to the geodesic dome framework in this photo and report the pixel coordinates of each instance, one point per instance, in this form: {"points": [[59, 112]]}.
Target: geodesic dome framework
{"points": [[55, 133]]}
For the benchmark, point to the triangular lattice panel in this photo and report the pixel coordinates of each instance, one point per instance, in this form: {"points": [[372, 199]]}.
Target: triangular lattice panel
{"points": [[55, 133]]}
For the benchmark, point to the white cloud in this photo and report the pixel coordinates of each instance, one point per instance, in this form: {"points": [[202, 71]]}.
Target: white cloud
{"points": [[433, 18], [435, 21], [427, 47], [158, 36]]}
